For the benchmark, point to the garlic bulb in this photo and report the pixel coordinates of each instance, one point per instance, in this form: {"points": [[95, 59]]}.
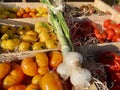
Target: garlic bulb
{"points": [[64, 71], [73, 59], [80, 77]]}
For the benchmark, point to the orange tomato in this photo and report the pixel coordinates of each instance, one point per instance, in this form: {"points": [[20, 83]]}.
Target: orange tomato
{"points": [[33, 87], [16, 76], [4, 69], [55, 58], [29, 67], [43, 70], [37, 79], [51, 81], [41, 59], [27, 10], [17, 87]]}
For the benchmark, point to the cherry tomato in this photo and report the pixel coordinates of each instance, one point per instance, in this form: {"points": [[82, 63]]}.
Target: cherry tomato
{"points": [[100, 34], [116, 38], [107, 23], [116, 29], [110, 34]]}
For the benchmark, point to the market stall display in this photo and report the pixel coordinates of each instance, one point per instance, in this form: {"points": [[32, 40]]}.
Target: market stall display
{"points": [[85, 54]]}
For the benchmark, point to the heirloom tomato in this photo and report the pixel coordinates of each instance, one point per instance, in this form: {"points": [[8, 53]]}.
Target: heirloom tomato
{"points": [[4, 69], [42, 59], [17, 87], [33, 87], [51, 81], [29, 66], [16, 76], [55, 58]]}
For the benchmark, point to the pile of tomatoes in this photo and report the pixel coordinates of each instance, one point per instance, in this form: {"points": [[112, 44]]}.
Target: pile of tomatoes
{"points": [[111, 63], [111, 32], [32, 73]]}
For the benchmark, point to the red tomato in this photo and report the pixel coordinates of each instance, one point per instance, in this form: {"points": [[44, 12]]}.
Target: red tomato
{"points": [[107, 23], [106, 58], [110, 34], [116, 29], [100, 34], [116, 38], [118, 25]]}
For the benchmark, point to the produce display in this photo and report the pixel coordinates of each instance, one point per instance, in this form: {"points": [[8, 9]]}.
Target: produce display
{"points": [[83, 10], [67, 68], [25, 38], [32, 73], [27, 12], [88, 32]]}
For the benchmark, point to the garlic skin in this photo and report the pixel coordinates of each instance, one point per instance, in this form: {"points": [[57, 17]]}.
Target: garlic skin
{"points": [[80, 77]]}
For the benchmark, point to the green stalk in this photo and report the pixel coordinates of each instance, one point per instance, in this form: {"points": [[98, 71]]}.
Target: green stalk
{"points": [[61, 28]]}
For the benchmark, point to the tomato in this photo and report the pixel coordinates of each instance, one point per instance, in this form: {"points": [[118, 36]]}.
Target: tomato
{"points": [[107, 23], [106, 57], [118, 25], [116, 29], [37, 79], [110, 34], [100, 34], [33, 87], [43, 70], [29, 67], [50, 44], [42, 59], [110, 59], [44, 36], [16, 76], [4, 69], [51, 81], [17, 87], [24, 46], [116, 38], [55, 58]]}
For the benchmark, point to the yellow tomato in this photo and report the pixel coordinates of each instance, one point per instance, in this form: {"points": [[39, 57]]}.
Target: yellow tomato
{"points": [[16, 76], [5, 37], [17, 87], [51, 81], [40, 29], [55, 58], [38, 46], [43, 70], [30, 32], [33, 87], [50, 44], [53, 36], [17, 41], [41, 59], [29, 38], [3, 44], [29, 67], [23, 46], [4, 28], [4, 69], [10, 45], [37, 79], [44, 36]]}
